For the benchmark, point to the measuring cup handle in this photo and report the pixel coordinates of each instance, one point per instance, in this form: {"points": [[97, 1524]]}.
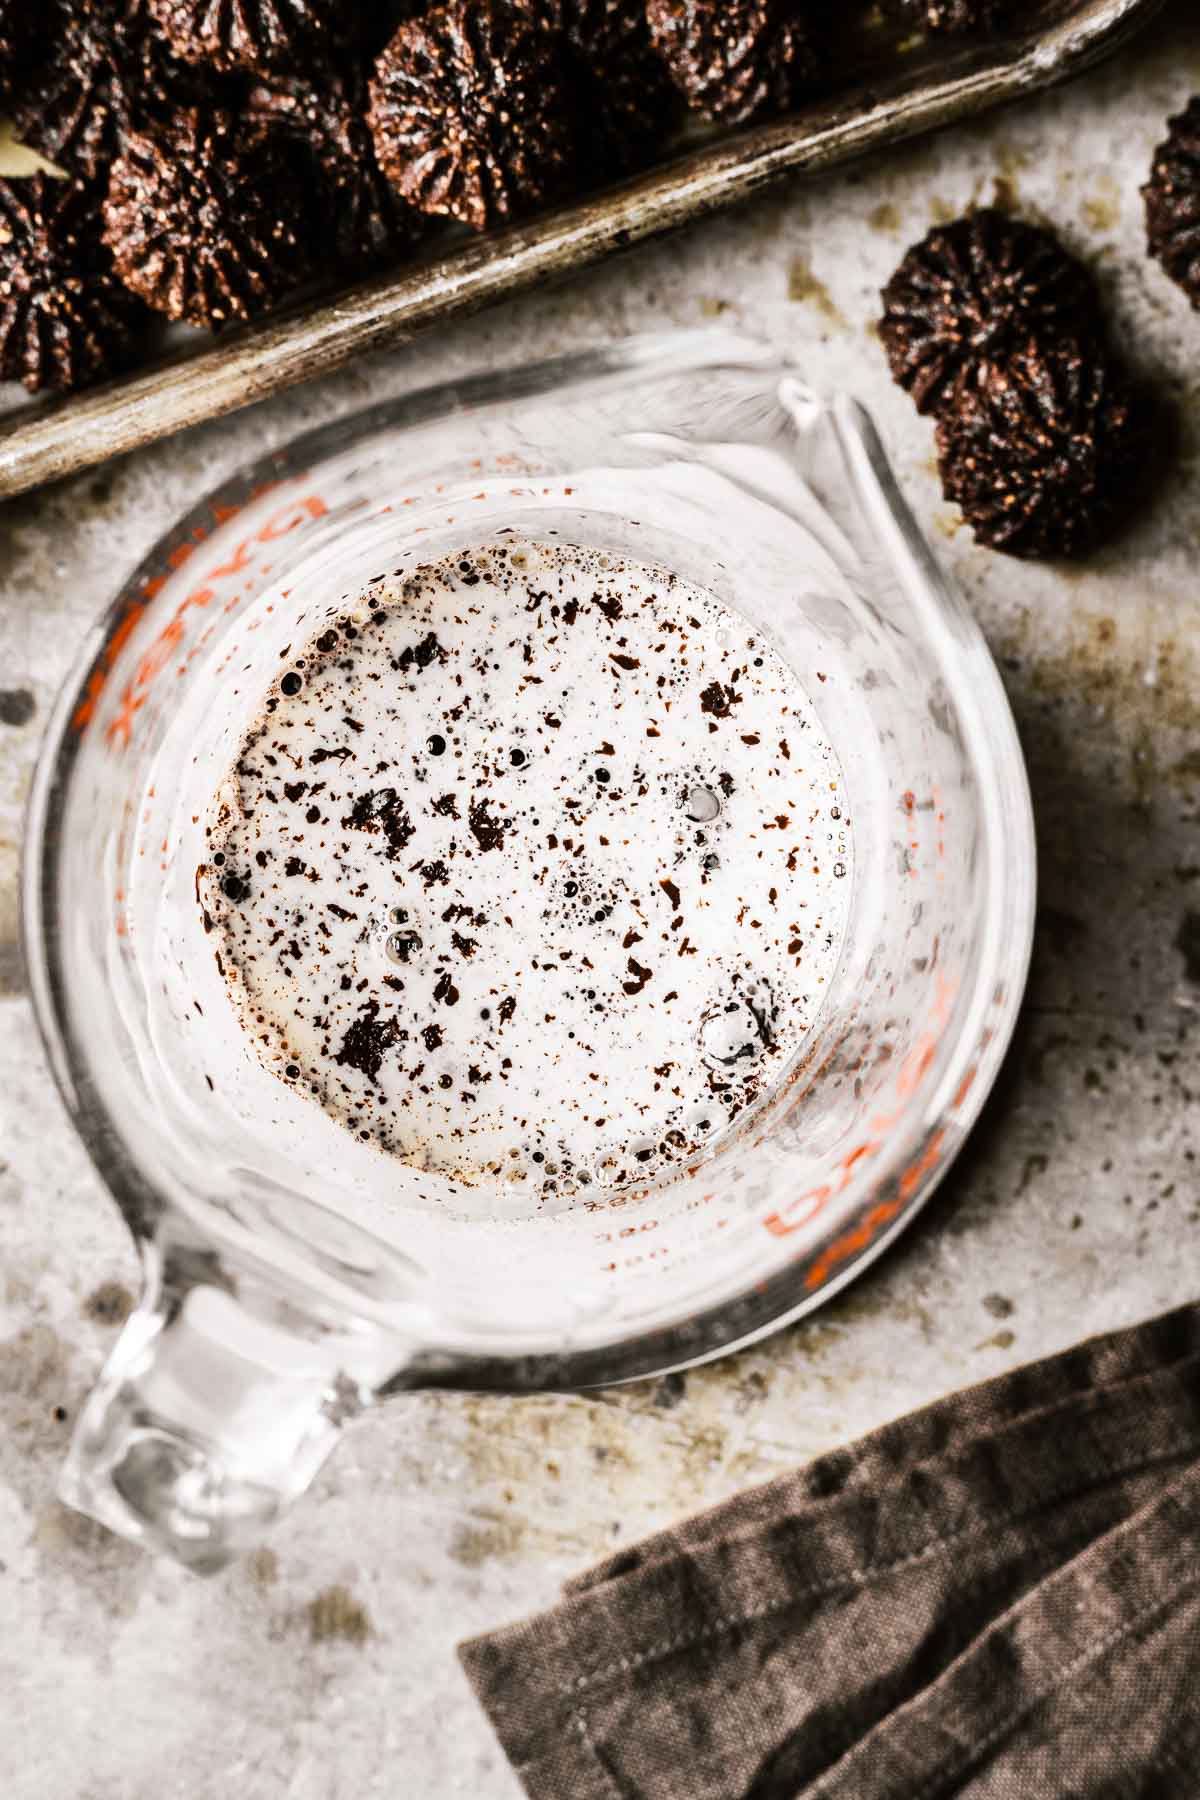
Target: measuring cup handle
{"points": [[212, 1414]]}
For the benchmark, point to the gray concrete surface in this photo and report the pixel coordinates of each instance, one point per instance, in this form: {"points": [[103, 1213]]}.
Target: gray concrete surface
{"points": [[322, 1668]]}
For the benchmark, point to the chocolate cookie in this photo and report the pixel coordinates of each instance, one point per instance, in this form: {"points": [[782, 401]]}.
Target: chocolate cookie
{"points": [[65, 320], [204, 222], [253, 35], [736, 60], [355, 216], [1172, 197], [96, 69], [627, 103], [470, 112], [973, 289], [1044, 448]]}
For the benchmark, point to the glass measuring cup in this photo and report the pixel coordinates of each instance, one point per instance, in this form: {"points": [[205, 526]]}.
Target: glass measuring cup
{"points": [[292, 1276]]}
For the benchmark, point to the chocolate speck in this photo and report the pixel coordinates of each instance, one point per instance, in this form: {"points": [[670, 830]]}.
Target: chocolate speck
{"points": [[367, 1041], [640, 976], [384, 811], [422, 654], [487, 832], [445, 990], [718, 699]]}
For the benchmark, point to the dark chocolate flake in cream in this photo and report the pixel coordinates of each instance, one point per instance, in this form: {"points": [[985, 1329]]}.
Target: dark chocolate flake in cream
{"points": [[718, 699], [383, 811], [487, 831], [367, 1041]]}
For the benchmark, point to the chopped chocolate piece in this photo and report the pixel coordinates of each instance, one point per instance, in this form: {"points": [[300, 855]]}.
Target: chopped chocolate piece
{"points": [[203, 222], [950, 17], [1172, 197], [367, 1041], [97, 69], [975, 288], [1043, 449], [248, 34], [735, 60], [64, 317], [382, 811], [356, 218], [470, 112], [487, 831], [719, 699]]}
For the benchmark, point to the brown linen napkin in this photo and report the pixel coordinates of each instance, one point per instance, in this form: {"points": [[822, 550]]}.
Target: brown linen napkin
{"points": [[998, 1596]]}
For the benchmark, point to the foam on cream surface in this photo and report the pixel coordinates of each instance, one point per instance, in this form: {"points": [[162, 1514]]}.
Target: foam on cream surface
{"points": [[533, 870]]}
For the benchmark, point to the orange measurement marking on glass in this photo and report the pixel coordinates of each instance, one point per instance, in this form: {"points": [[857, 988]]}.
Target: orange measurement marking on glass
{"points": [[162, 651], [859, 1238], [799, 1212], [921, 1166], [99, 675]]}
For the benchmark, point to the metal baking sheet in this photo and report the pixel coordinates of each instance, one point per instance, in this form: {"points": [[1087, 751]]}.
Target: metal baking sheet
{"points": [[897, 90]]}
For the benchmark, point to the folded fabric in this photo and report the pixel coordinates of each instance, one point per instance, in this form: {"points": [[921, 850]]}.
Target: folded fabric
{"points": [[994, 1597]]}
